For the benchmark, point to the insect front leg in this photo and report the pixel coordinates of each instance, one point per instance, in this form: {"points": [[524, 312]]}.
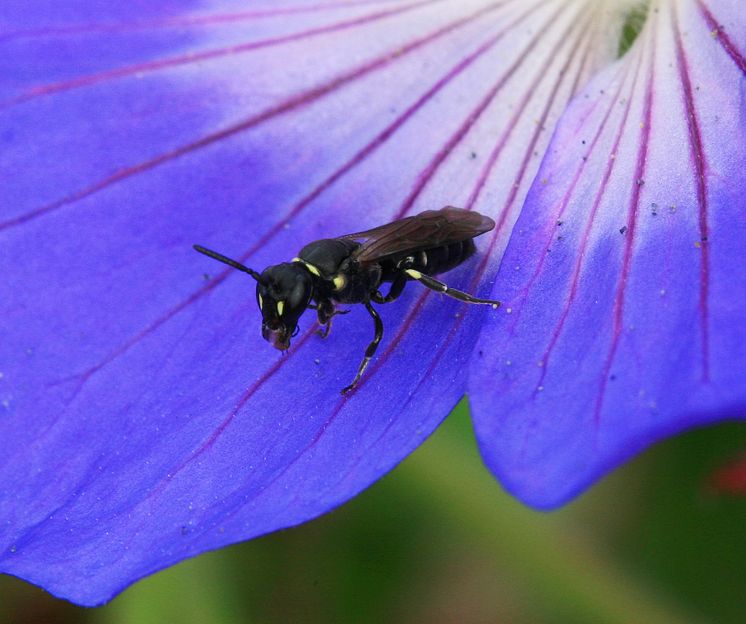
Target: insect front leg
{"points": [[325, 311], [438, 286], [370, 351]]}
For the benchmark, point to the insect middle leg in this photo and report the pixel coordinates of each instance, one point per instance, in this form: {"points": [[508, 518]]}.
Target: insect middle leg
{"points": [[370, 351], [438, 286], [397, 286]]}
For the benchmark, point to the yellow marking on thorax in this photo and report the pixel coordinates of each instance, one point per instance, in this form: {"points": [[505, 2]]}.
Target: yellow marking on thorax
{"points": [[310, 267], [340, 281]]}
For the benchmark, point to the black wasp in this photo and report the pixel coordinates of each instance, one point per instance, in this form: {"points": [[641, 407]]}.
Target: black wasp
{"points": [[351, 269]]}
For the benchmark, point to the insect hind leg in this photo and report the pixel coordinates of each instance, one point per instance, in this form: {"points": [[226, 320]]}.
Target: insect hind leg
{"points": [[371, 350], [438, 286]]}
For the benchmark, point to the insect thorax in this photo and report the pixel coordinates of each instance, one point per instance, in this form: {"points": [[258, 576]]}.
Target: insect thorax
{"points": [[326, 255]]}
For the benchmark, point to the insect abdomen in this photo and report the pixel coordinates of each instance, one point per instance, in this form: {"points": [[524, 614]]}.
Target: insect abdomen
{"points": [[437, 260]]}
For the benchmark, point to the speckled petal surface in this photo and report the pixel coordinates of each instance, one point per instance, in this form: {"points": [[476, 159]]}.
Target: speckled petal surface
{"points": [[624, 283]]}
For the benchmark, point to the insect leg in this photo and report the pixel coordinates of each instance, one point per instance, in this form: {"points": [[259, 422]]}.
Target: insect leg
{"points": [[370, 351], [440, 287], [324, 332], [397, 286], [325, 310]]}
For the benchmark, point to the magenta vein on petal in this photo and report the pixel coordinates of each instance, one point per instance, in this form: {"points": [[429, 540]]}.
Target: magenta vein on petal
{"points": [[197, 57], [722, 37], [564, 203], [575, 282], [637, 183], [699, 165], [187, 21]]}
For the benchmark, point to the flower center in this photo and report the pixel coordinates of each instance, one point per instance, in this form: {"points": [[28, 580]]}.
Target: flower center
{"points": [[634, 20]]}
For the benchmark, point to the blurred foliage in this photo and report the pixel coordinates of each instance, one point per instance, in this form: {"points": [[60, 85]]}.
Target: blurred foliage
{"points": [[438, 541]]}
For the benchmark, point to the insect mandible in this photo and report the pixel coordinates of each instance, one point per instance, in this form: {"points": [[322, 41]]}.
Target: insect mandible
{"points": [[352, 268]]}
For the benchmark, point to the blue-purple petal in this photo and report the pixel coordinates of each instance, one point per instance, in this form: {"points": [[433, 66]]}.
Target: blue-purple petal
{"points": [[144, 418], [624, 277]]}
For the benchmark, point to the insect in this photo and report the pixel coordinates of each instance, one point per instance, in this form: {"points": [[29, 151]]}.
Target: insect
{"points": [[352, 268]]}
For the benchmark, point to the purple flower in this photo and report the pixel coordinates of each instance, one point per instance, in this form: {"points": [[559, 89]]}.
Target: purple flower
{"points": [[144, 419]]}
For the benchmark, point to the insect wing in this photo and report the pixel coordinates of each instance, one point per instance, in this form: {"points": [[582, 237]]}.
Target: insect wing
{"points": [[431, 228]]}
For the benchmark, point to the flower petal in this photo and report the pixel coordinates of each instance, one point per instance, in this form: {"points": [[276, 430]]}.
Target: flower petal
{"points": [[623, 277], [145, 420]]}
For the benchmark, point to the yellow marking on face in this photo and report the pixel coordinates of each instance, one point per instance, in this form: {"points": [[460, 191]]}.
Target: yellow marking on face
{"points": [[413, 274], [261, 302], [340, 281], [280, 307]]}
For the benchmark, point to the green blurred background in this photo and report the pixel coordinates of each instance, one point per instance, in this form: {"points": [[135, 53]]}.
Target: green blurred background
{"points": [[437, 540]]}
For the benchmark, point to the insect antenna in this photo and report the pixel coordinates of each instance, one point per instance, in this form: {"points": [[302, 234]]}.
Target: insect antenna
{"points": [[232, 263]]}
